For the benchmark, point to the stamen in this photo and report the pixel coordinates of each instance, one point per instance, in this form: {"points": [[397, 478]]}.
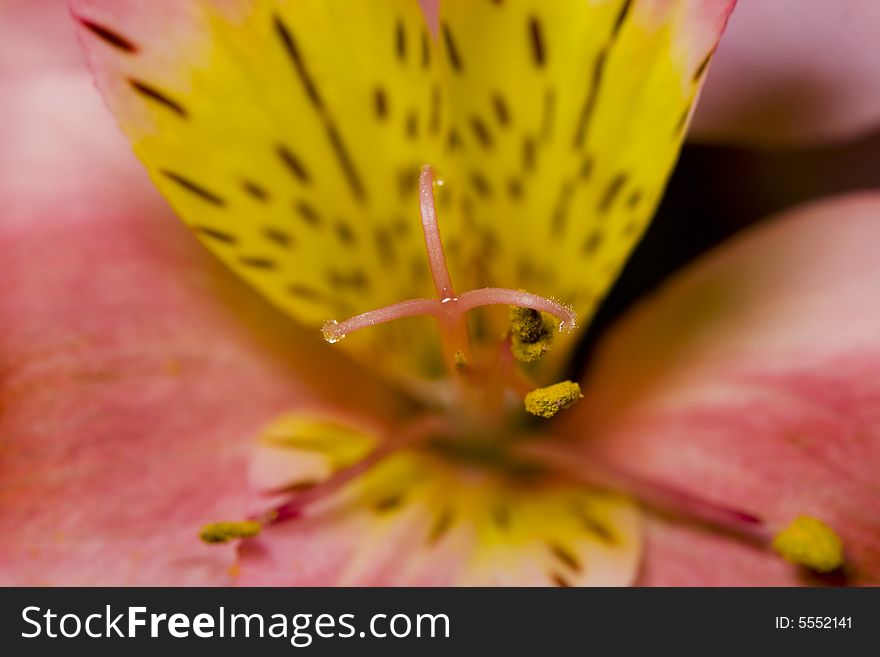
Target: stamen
{"points": [[811, 543], [223, 532], [531, 334], [564, 458], [547, 402]]}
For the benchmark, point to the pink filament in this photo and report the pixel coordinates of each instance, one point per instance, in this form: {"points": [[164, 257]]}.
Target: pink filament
{"points": [[563, 457], [448, 308]]}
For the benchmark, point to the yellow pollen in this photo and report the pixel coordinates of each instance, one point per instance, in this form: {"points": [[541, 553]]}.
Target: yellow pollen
{"points": [[547, 402], [221, 532], [811, 543], [531, 333], [460, 360]]}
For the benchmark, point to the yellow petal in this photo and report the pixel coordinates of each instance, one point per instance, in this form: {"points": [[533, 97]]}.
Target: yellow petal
{"points": [[287, 135], [566, 119]]}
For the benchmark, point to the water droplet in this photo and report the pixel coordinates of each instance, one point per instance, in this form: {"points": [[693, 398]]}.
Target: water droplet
{"points": [[329, 334], [448, 299], [440, 182]]}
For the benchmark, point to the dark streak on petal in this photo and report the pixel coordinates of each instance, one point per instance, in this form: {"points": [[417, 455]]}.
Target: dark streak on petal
{"points": [[308, 212], [345, 161], [344, 232], [501, 111], [109, 36], [194, 188], [537, 40], [481, 185], [292, 49], [611, 192], [586, 168], [549, 112], [703, 66], [426, 49], [336, 142], [631, 228], [293, 163], [214, 234], [451, 51], [388, 503], [278, 237], [634, 199], [355, 279], [481, 132], [407, 181], [621, 18], [559, 580], [529, 148], [593, 526], [593, 242], [384, 246], [412, 125], [151, 93], [565, 556], [255, 191], [304, 291], [560, 212], [400, 41], [501, 516], [441, 525], [590, 101], [514, 189], [380, 102], [681, 123], [453, 140], [257, 262]]}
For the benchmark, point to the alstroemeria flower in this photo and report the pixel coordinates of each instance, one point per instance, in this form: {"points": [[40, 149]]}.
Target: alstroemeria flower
{"points": [[289, 137]]}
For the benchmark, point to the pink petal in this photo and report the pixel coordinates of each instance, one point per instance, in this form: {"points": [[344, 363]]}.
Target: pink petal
{"points": [[752, 379], [785, 73], [135, 373], [37, 34]]}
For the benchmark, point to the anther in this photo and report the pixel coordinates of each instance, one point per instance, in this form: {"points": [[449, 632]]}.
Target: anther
{"points": [[547, 402], [811, 543], [223, 532], [531, 333]]}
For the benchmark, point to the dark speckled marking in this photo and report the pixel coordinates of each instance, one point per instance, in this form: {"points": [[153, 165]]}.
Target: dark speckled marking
{"points": [[109, 36], [153, 94]]}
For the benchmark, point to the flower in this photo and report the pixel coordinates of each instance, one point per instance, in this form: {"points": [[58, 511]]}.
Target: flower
{"points": [[158, 370]]}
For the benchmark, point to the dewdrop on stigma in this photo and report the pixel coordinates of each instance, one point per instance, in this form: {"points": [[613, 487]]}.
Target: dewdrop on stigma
{"points": [[328, 333]]}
